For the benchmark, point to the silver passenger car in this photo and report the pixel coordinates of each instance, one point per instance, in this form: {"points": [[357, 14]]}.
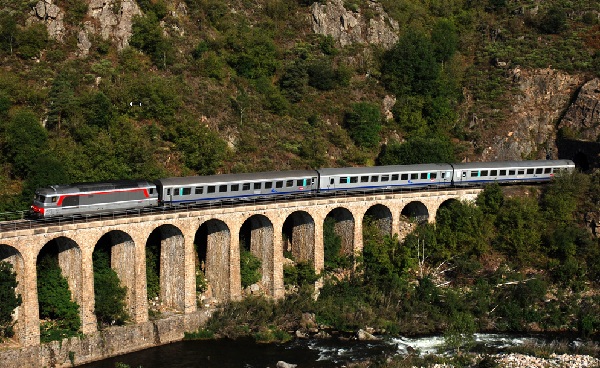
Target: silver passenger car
{"points": [[385, 177], [90, 198], [477, 173], [235, 187]]}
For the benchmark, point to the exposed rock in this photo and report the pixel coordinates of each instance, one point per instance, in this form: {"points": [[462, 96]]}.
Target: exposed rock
{"points": [[348, 27], [52, 16], [282, 364], [363, 335], [388, 104], [582, 119], [308, 321], [301, 335], [529, 130], [113, 22]]}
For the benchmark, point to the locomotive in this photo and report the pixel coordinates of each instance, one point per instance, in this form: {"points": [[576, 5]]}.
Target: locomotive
{"points": [[123, 195]]}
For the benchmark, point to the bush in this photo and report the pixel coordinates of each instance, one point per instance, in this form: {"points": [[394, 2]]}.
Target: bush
{"points": [[10, 300], [109, 295], [364, 124], [250, 268]]}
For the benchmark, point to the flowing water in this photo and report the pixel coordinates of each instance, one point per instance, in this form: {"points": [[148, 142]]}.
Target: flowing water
{"points": [[305, 353]]}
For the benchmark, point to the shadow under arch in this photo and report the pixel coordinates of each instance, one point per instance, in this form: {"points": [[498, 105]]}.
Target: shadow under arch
{"points": [[380, 216], [212, 242], [12, 256], [343, 227], [299, 237], [257, 236], [416, 211], [165, 255]]}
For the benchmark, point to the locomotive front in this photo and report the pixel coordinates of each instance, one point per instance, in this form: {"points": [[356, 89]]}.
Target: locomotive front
{"points": [[44, 203]]}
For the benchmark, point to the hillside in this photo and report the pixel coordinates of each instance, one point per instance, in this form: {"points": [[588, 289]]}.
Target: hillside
{"points": [[96, 90]]}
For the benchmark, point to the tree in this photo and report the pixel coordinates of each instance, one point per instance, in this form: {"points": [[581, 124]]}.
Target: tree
{"points": [[519, 230], [417, 151], [26, 139], [60, 313], [10, 299], [462, 230], [203, 149], [460, 331], [32, 40], [491, 199], [8, 32], [250, 268], [445, 39], [147, 36], [332, 244], [109, 295], [364, 124], [410, 67]]}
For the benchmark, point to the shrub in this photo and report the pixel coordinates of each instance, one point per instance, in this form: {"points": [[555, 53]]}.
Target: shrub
{"points": [[364, 124], [250, 268], [10, 300]]}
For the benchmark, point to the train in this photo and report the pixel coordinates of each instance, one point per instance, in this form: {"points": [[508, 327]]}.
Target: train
{"points": [[124, 195]]}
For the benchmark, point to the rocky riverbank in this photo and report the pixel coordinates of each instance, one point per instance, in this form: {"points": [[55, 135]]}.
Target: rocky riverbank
{"points": [[526, 361]]}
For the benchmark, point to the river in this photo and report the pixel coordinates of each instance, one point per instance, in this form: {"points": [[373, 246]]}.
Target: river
{"points": [[305, 353]]}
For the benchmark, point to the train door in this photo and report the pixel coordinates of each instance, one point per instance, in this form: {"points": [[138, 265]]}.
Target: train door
{"points": [[331, 183]]}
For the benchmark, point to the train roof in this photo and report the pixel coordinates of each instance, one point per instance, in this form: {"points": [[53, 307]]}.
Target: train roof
{"points": [[226, 178], [383, 169], [93, 187], [516, 164]]}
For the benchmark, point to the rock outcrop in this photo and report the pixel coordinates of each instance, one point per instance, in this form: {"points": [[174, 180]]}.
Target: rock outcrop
{"points": [[52, 16], [582, 119], [347, 27], [113, 19]]}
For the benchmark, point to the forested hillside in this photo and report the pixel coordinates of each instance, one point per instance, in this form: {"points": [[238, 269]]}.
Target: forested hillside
{"points": [[207, 86]]}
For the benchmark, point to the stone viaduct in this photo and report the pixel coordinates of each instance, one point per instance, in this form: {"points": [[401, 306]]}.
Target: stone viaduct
{"points": [[210, 237]]}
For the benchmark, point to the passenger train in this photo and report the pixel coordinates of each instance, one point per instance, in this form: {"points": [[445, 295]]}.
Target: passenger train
{"points": [[95, 198]]}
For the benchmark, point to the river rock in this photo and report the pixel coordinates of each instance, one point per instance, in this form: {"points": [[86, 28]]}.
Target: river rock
{"points": [[282, 364], [363, 335]]}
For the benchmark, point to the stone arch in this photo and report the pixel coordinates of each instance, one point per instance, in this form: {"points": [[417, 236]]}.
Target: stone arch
{"points": [[12, 256], [446, 204], [256, 235], [168, 242], [416, 211], [299, 237], [68, 254], [344, 228], [381, 217], [121, 249], [212, 242]]}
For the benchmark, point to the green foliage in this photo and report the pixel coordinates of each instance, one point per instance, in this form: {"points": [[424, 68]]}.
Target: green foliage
{"points": [[491, 199], [519, 230], [75, 10], [410, 66], [110, 308], [324, 76], [254, 53], [418, 151], [461, 229], [445, 39], [153, 270], [250, 268], [300, 274], [26, 140], [294, 81], [10, 299], [332, 243], [364, 124], [560, 198], [204, 151], [59, 313], [8, 32], [201, 334], [460, 331], [553, 20], [147, 36], [32, 40]]}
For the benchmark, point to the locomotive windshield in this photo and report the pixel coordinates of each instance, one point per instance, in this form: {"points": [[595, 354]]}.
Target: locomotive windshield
{"points": [[40, 198]]}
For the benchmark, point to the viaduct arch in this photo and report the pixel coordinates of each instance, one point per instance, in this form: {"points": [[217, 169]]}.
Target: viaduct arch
{"points": [[206, 239]]}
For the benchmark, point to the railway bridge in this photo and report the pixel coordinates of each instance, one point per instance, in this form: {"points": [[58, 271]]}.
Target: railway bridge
{"points": [[209, 238]]}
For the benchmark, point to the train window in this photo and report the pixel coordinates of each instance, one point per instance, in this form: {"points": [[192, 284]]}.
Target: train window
{"points": [[257, 186], [521, 172], [246, 186], [443, 175], [169, 191], [414, 176], [331, 181], [354, 179], [424, 175], [222, 188], [186, 191], [494, 173], [299, 182], [474, 174], [433, 176], [529, 171], [374, 179], [484, 173], [199, 190], [395, 177], [53, 199], [511, 172], [210, 189], [151, 191], [278, 184], [539, 171], [502, 172], [364, 179], [547, 170], [176, 191], [385, 178], [404, 177], [289, 183], [235, 187], [344, 180], [268, 185]]}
